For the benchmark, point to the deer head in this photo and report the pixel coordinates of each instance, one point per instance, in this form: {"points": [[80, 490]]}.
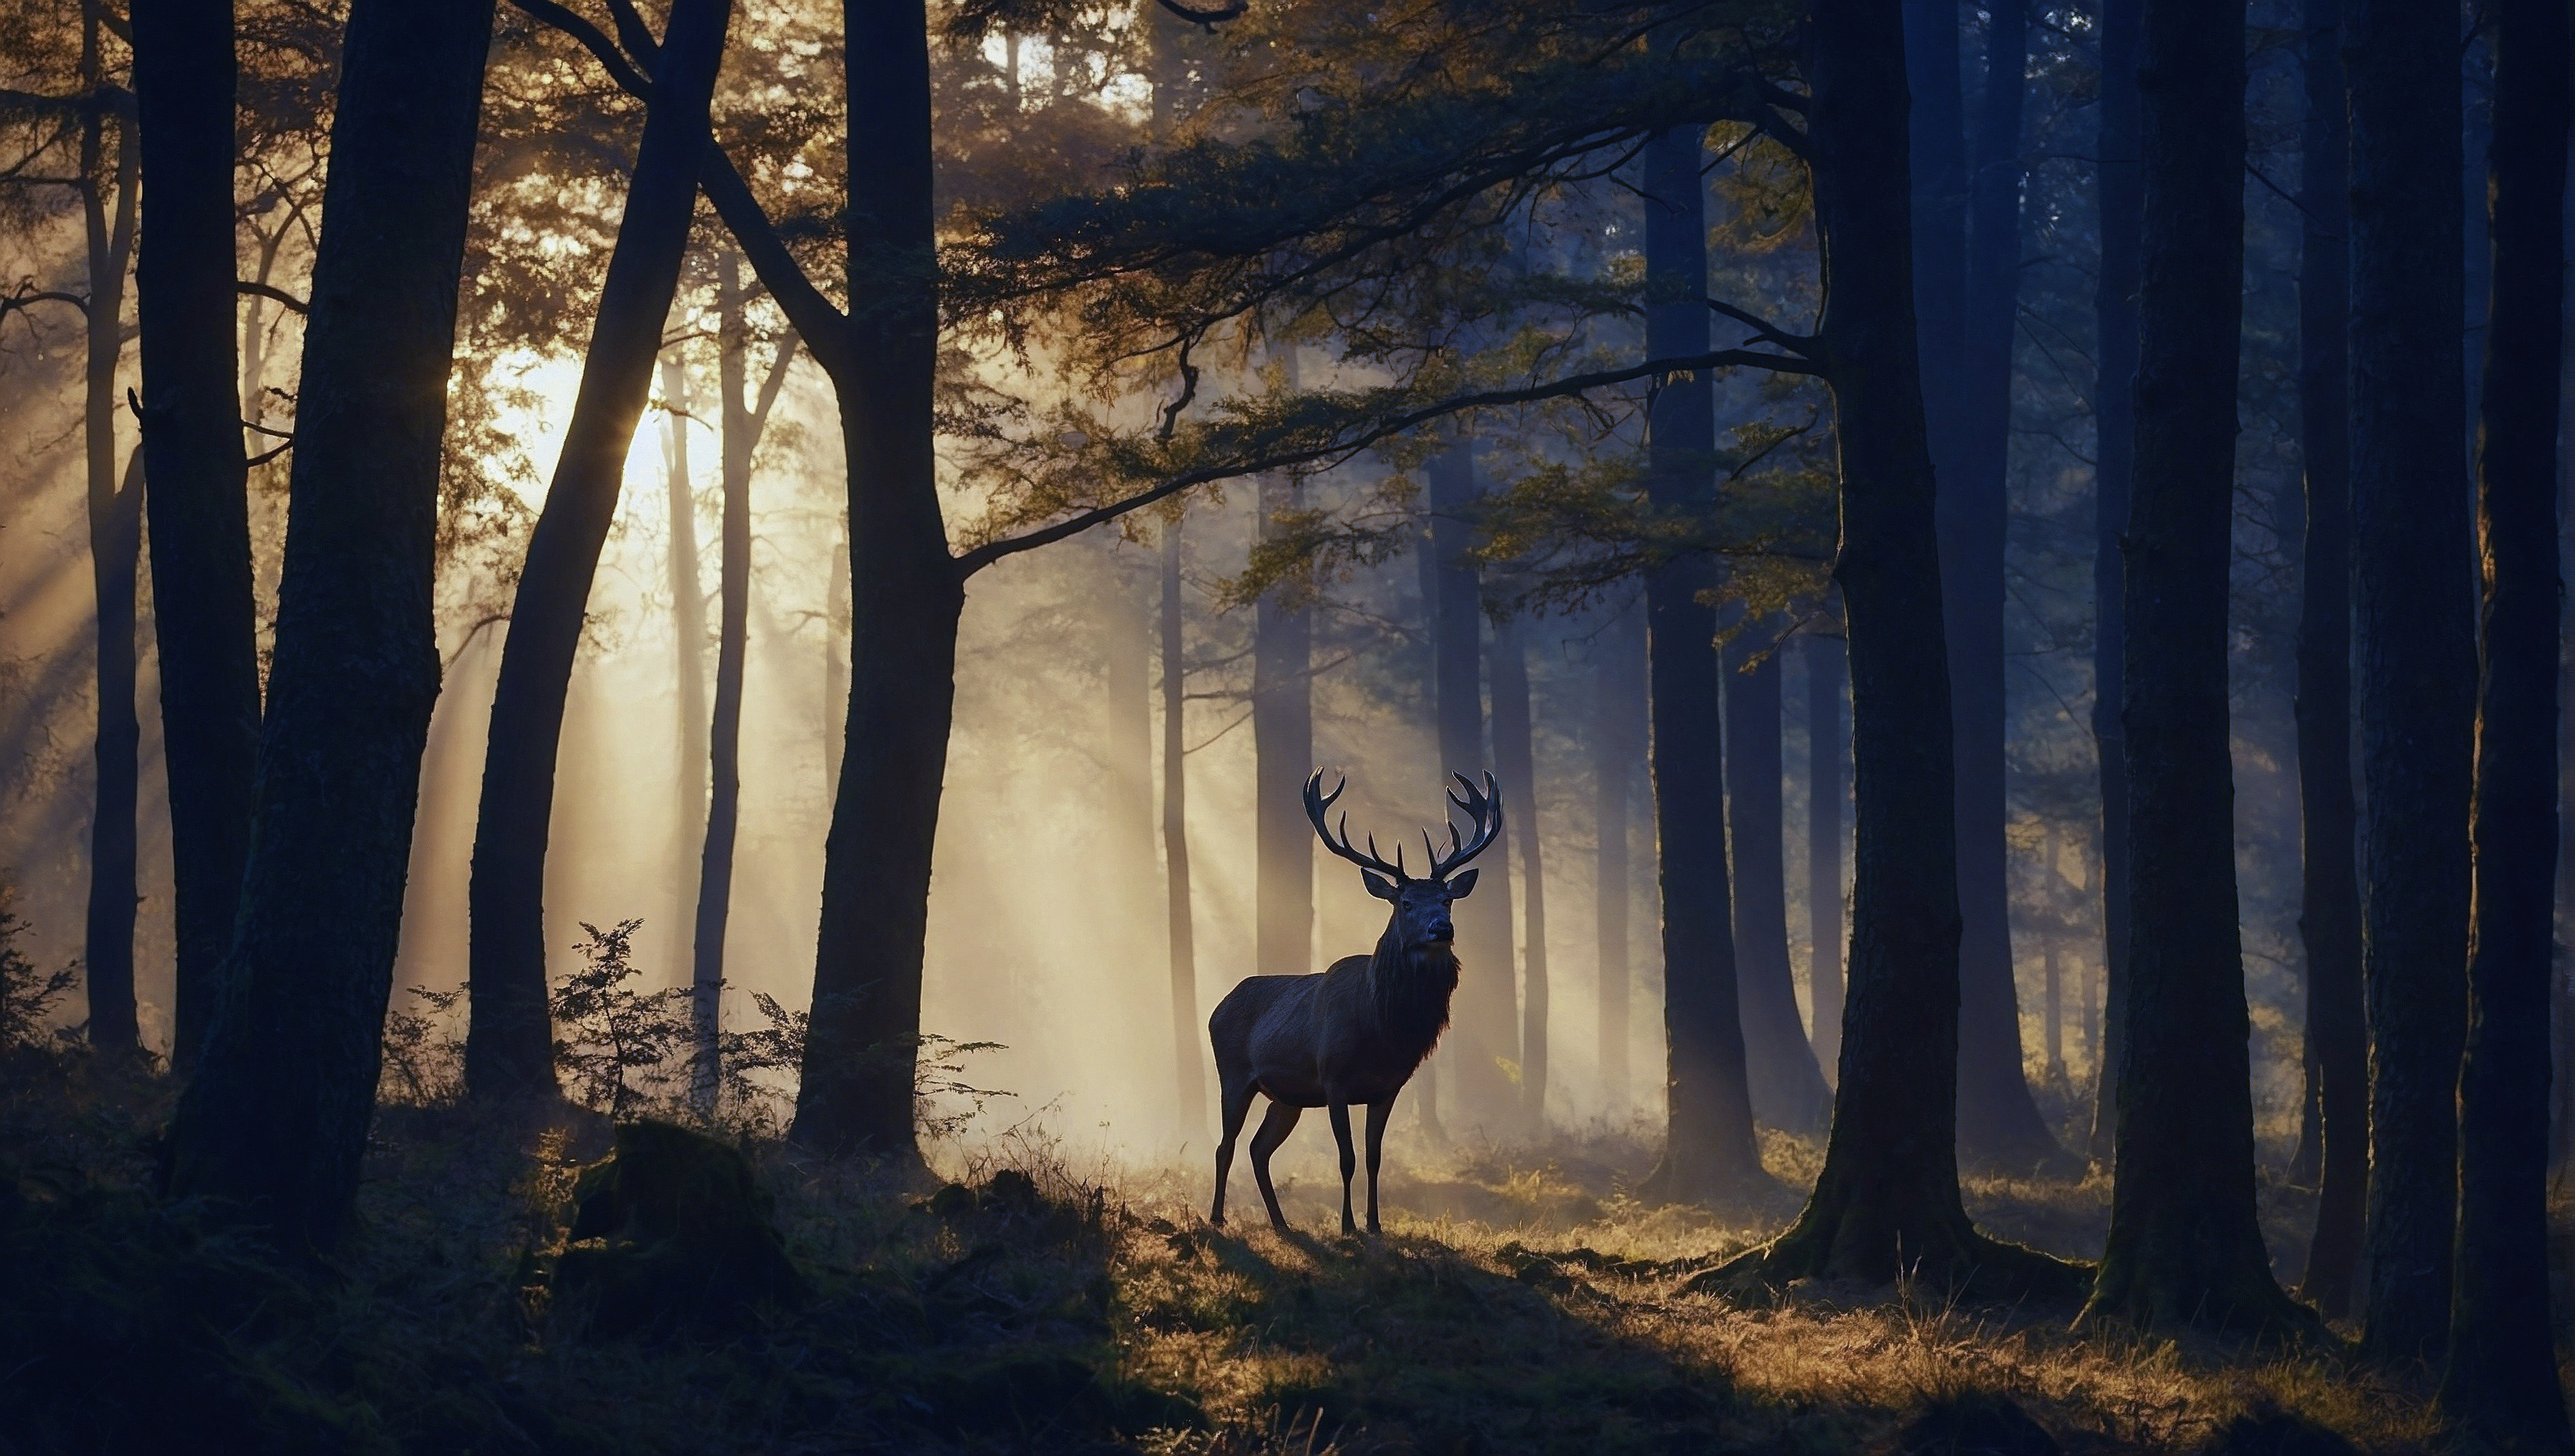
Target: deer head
{"points": [[1421, 918]]}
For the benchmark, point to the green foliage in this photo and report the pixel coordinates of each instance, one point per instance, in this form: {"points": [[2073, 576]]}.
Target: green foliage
{"points": [[27, 995], [619, 1048]]}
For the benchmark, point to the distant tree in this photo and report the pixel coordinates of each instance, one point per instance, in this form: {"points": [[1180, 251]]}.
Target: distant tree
{"points": [[1825, 747], [2184, 1246], [1515, 762], [2414, 623], [2501, 1384], [1788, 1090], [184, 84], [1618, 744], [1282, 741], [2329, 907], [278, 1114]]}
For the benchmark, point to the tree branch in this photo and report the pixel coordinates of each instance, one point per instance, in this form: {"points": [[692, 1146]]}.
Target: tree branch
{"points": [[992, 550], [291, 303], [1231, 10]]}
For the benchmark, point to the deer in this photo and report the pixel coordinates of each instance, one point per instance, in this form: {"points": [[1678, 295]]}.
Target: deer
{"points": [[1356, 1033]]}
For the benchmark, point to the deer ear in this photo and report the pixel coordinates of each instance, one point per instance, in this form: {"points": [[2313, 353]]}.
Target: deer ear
{"points": [[1462, 886], [1378, 884]]}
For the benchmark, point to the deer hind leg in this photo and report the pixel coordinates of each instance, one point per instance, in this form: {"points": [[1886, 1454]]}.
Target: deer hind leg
{"points": [[1275, 1128], [1379, 1114], [1236, 1102], [1341, 1113]]}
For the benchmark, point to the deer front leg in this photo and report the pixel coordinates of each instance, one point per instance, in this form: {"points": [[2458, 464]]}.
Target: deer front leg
{"points": [[1275, 1127], [1238, 1101], [1379, 1114], [1341, 1113]]}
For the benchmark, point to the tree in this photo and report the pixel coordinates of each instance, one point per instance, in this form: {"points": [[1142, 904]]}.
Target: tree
{"points": [[2120, 189], [192, 445], [1708, 1148], [1887, 1199], [1283, 736], [2329, 910], [1618, 741], [1825, 747], [2184, 1246], [509, 1045], [2415, 632], [278, 1114], [1788, 1090], [2501, 1383], [1516, 762], [1190, 1108]]}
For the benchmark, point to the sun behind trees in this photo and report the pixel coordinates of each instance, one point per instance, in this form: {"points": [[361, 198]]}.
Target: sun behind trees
{"points": [[1712, 429]]}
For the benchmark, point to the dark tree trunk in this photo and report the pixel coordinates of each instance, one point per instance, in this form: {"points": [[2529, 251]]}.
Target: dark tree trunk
{"points": [[835, 658], [2412, 562], [509, 1048], [1191, 1109], [1282, 737], [1515, 764], [1935, 139], [2115, 307], [2329, 908], [114, 546], [1710, 1152], [2186, 1247], [2502, 1384], [1487, 1030], [1788, 1089], [203, 616], [1998, 1123], [743, 422], [277, 1117], [1887, 1199], [1618, 743], [1825, 747], [906, 596]]}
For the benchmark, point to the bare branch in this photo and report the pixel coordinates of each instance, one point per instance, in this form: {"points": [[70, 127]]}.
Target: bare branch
{"points": [[274, 293], [1231, 10]]}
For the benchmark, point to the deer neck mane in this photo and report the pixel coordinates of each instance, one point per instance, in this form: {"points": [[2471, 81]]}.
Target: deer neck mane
{"points": [[1409, 988]]}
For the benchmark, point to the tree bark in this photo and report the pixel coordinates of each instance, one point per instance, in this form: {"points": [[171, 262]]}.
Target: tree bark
{"points": [[2329, 908], [2114, 309], [109, 939], [1887, 1201], [1618, 743], [1998, 1122], [277, 1117], [1709, 1153], [2414, 621], [1486, 1031], [1788, 1091], [509, 1049], [906, 596], [1191, 1109], [2185, 1248], [2501, 1386], [203, 617], [1515, 764], [1283, 737], [1825, 747]]}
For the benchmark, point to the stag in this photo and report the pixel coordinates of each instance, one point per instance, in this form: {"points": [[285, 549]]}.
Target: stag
{"points": [[1356, 1033]]}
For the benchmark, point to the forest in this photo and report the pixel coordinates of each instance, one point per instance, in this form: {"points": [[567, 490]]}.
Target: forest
{"points": [[696, 694]]}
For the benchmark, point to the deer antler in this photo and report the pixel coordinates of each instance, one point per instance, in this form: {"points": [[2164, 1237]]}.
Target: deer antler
{"points": [[1484, 809], [1318, 802]]}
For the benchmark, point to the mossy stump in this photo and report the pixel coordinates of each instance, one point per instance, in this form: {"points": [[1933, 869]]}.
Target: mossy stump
{"points": [[671, 1233]]}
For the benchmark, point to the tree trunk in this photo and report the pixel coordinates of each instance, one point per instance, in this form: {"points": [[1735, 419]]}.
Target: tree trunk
{"points": [[906, 596], [1515, 762], [2502, 1384], [1998, 1123], [1825, 747], [203, 617], [2329, 908], [1788, 1090], [109, 955], [1191, 1109], [2115, 310], [1426, 1084], [1283, 737], [2412, 562], [1708, 1152], [509, 1048], [2185, 1248], [1618, 741], [836, 658], [1887, 1201], [689, 787], [1486, 1031], [277, 1117]]}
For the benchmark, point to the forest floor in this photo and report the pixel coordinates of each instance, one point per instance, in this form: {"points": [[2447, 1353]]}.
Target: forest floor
{"points": [[1518, 1302]]}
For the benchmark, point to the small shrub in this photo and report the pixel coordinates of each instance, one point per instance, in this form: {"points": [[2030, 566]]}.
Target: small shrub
{"points": [[620, 1048], [27, 995]]}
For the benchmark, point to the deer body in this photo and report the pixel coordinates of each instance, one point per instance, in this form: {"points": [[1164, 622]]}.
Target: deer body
{"points": [[1355, 1034]]}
